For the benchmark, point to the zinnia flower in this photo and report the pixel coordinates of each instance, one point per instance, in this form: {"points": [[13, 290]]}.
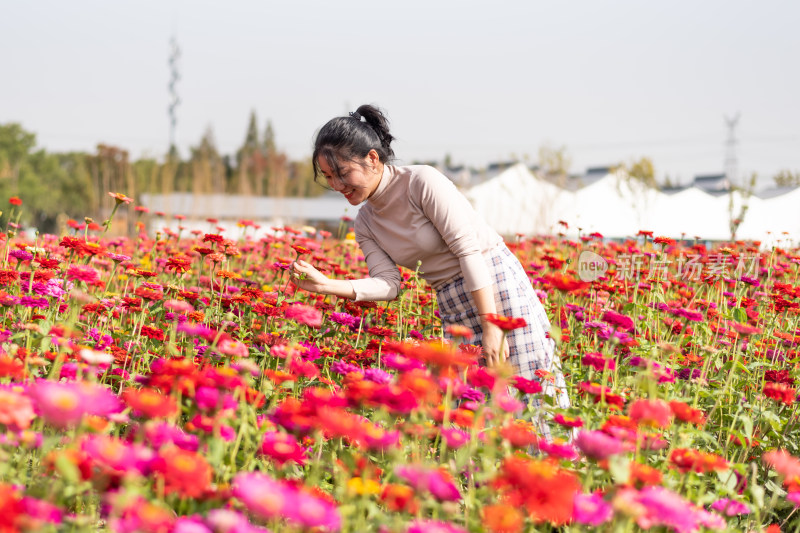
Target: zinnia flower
{"points": [[592, 509], [304, 314], [598, 445]]}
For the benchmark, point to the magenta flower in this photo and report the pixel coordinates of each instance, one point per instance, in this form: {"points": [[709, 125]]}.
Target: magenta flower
{"points": [[433, 526], [598, 445], [730, 507], [454, 437], [618, 320], [591, 509], [438, 483], [83, 273]]}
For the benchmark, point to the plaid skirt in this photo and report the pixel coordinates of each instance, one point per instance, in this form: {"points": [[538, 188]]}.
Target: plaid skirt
{"points": [[530, 348]]}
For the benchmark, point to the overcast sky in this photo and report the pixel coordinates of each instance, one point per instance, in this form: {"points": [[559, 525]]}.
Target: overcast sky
{"points": [[481, 81]]}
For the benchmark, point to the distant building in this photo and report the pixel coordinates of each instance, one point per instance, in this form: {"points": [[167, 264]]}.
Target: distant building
{"points": [[712, 183], [322, 212]]}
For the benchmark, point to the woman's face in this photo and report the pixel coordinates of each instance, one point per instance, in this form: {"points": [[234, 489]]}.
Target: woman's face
{"points": [[357, 180]]}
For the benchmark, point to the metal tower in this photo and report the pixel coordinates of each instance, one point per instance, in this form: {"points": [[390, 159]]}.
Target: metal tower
{"points": [[731, 161], [174, 100]]}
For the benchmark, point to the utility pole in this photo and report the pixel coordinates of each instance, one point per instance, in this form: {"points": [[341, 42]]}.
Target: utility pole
{"points": [[731, 161], [174, 100]]}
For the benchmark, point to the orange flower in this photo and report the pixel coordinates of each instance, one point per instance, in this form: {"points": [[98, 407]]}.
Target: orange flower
{"points": [[399, 498], [546, 491], [519, 433], [150, 403], [685, 413], [502, 518], [184, 472], [687, 459], [642, 474]]}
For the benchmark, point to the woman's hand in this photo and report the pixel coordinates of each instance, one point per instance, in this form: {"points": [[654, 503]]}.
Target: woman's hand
{"points": [[492, 337], [308, 278]]}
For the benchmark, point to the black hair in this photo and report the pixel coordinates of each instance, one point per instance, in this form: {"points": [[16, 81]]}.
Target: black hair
{"points": [[351, 139]]}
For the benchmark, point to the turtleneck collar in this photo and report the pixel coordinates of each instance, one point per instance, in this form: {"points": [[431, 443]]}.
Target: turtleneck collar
{"points": [[378, 198]]}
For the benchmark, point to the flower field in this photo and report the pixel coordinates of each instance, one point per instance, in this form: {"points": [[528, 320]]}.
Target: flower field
{"points": [[181, 383]]}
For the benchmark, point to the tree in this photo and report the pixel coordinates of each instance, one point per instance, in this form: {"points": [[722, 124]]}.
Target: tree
{"points": [[207, 166], [554, 162], [643, 171], [787, 178]]}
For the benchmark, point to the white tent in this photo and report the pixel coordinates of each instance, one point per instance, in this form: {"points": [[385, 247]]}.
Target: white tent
{"points": [[515, 201]]}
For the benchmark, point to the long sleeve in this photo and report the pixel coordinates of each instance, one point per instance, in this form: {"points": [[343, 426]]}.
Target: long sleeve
{"points": [[384, 281], [451, 214]]}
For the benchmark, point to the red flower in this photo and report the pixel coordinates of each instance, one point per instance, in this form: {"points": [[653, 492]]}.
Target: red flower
{"points": [[780, 392], [506, 323], [565, 282], [528, 386], [14, 200], [687, 459]]}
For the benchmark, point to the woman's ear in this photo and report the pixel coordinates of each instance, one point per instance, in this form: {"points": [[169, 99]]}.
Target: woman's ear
{"points": [[373, 157]]}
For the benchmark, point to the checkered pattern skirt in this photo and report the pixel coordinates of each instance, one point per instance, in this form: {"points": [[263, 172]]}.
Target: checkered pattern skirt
{"points": [[530, 349]]}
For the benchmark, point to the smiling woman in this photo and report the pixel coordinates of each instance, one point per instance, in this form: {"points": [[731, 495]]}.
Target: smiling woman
{"points": [[413, 215]]}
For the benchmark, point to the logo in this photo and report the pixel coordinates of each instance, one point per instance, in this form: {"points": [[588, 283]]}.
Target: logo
{"points": [[591, 266]]}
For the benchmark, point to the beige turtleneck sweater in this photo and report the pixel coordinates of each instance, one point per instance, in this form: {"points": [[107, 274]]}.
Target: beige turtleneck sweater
{"points": [[417, 214]]}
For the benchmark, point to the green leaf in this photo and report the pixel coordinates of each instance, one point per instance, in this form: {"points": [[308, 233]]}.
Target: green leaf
{"points": [[67, 469], [739, 315], [757, 492], [620, 468]]}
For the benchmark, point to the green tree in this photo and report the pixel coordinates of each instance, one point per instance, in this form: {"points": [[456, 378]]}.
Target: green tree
{"points": [[643, 171], [787, 178], [554, 162]]}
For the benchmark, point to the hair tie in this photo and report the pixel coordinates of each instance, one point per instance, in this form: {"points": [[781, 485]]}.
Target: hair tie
{"points": [[356, 115]]}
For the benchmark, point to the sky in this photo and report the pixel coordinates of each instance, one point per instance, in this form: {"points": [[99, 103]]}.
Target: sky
{"points": [[481, 81]]}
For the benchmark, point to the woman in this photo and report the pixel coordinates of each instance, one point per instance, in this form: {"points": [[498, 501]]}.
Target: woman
{"points": [[414, 213]]}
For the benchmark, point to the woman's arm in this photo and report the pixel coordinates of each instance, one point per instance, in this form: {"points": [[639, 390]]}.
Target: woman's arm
{"points": [[308, 278], [382, 285], [492, 335]]}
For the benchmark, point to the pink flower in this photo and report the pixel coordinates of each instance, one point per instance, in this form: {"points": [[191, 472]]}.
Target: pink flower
{"points": [[598, 445], [730, 507], [282, 448], [83, 273], [305, 314], [558, 450], [433, 526], [61, 404], [16, 409], [437, 482], [794, 497], [117, 455], [454, 437], [591, 509], [262, 495], [618, 320], [267, 498]]}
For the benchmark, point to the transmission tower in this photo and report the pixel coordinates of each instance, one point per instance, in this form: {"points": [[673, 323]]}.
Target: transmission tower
{"points": [[174, 100], [731, 161]]}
